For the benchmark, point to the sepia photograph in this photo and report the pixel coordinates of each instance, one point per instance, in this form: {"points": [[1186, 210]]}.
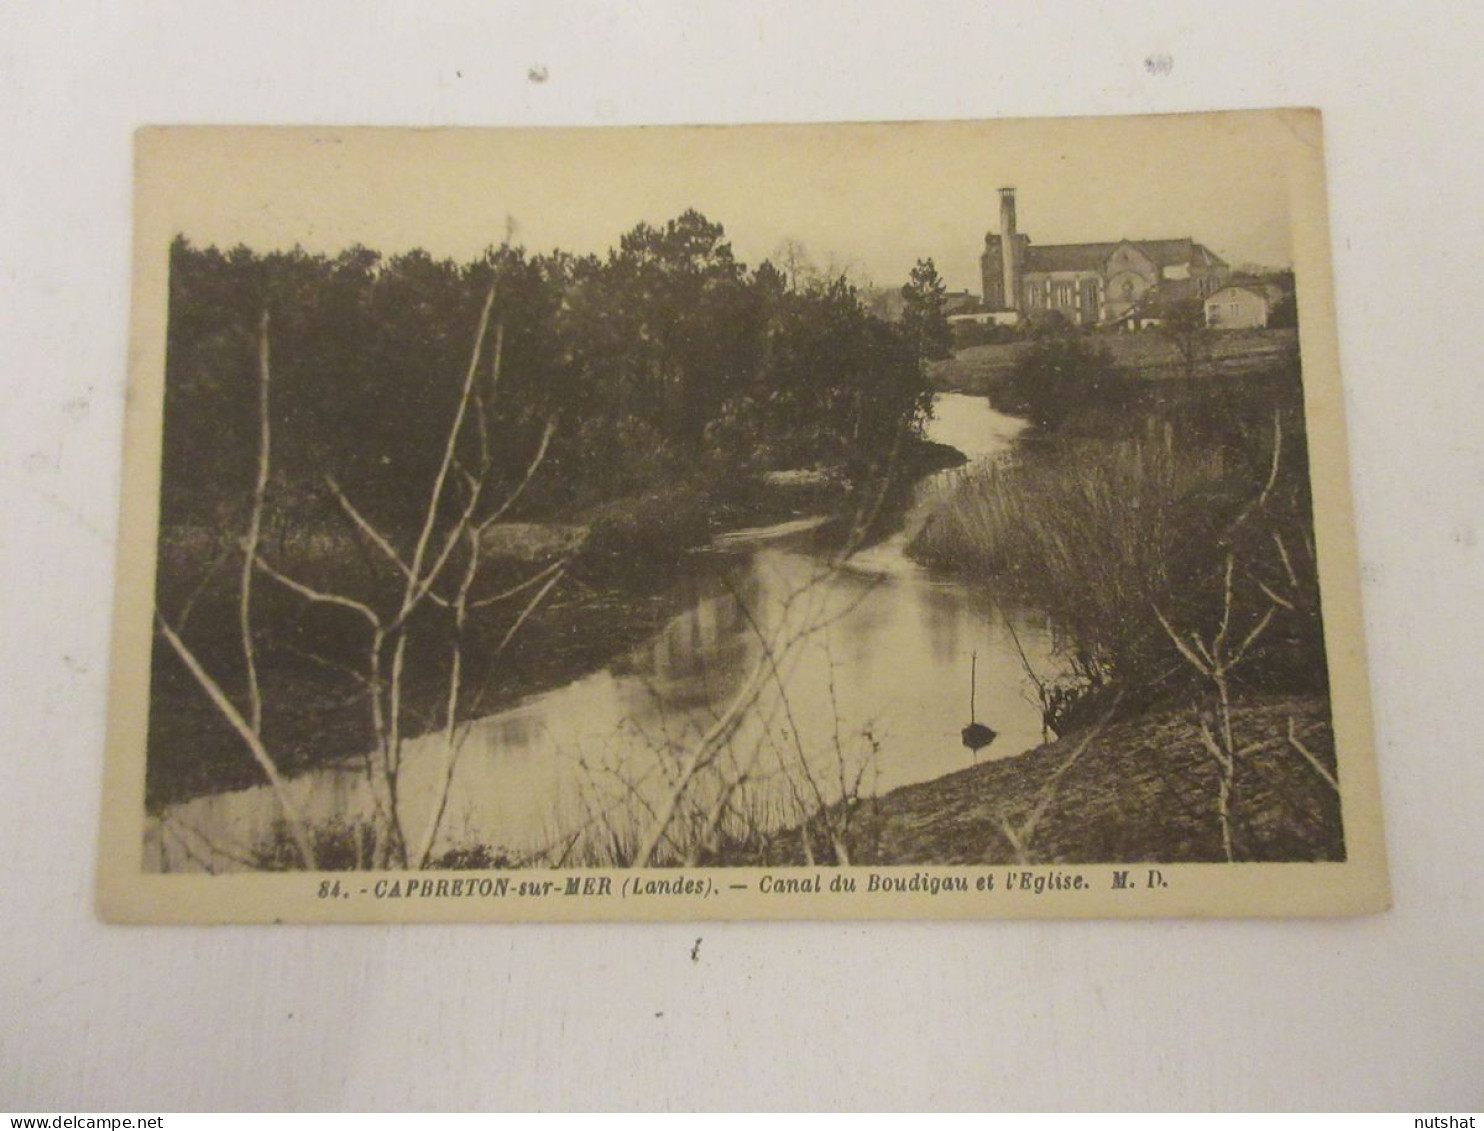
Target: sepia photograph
{"points": [[679, 556], [842, 520]]}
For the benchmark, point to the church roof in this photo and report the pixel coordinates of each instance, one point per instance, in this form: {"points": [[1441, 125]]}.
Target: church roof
{"points": [[1092, 256], [1174, 290]]}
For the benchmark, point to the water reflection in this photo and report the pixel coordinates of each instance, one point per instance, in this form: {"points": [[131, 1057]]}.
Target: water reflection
{"points": [[872, 664]]}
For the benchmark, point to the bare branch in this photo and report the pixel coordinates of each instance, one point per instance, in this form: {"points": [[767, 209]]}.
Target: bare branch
{"points": [[1310, 757], [520, 487], [418, 584], [1251, 638], [1012, 836], [506, 594], [394, 708], [201, 586], [1267, 488], [1287, 562], [330, 665], [317, 595], [716, 735], [530, 608], [1194, 660], [249, 735], [1220, 756], [1200, 646], [379, 540], [1219, 640], [452, 739], [216, 850], [1021, 839], [1272, 480], [254, 532], [1274, 597]]}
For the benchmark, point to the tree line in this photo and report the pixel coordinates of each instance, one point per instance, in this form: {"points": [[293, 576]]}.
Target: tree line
{"points": [[665, 359]]}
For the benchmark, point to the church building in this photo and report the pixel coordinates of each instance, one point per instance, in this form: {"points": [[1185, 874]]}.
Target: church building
{"points": [[1089, 283]]}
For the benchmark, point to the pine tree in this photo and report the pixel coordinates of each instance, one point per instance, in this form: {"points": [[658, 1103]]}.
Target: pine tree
{"points": [[924, 322]]}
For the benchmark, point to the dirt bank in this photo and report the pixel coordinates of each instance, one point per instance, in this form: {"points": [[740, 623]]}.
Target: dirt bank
{"points": [[1142, 790]]}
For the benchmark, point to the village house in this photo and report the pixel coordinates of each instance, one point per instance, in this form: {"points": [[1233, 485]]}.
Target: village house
{"points": [[956, 301], [1242, 306]]}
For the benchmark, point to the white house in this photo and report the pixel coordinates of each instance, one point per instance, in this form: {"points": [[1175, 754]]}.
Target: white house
{"points": [[980, 315], [1241, 306]]}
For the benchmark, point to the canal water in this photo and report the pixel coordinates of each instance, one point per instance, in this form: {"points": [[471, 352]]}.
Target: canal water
{"points": [[843, 678]]}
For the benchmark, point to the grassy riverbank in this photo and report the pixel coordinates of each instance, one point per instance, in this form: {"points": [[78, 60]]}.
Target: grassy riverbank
{"points": [[1238, 353]]}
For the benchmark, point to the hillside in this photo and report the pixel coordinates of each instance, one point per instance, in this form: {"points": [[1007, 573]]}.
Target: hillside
{"points": [[976, 369]]}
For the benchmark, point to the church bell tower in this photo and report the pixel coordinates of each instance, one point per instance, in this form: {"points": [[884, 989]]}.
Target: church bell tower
{"points": [[1009, 249]]}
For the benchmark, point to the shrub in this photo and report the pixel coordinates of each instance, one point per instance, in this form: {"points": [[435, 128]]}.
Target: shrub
{"points": [[1055, 375], [968, 334]]}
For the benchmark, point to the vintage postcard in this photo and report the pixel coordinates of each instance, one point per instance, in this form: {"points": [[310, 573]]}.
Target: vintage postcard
{"points": [[931, 520]]}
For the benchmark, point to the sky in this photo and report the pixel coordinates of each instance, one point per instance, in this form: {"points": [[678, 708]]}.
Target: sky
{"points": [[873, 197]]}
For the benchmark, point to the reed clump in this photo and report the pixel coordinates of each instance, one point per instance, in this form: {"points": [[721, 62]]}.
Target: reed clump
{"points": [[1103, 531]]}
